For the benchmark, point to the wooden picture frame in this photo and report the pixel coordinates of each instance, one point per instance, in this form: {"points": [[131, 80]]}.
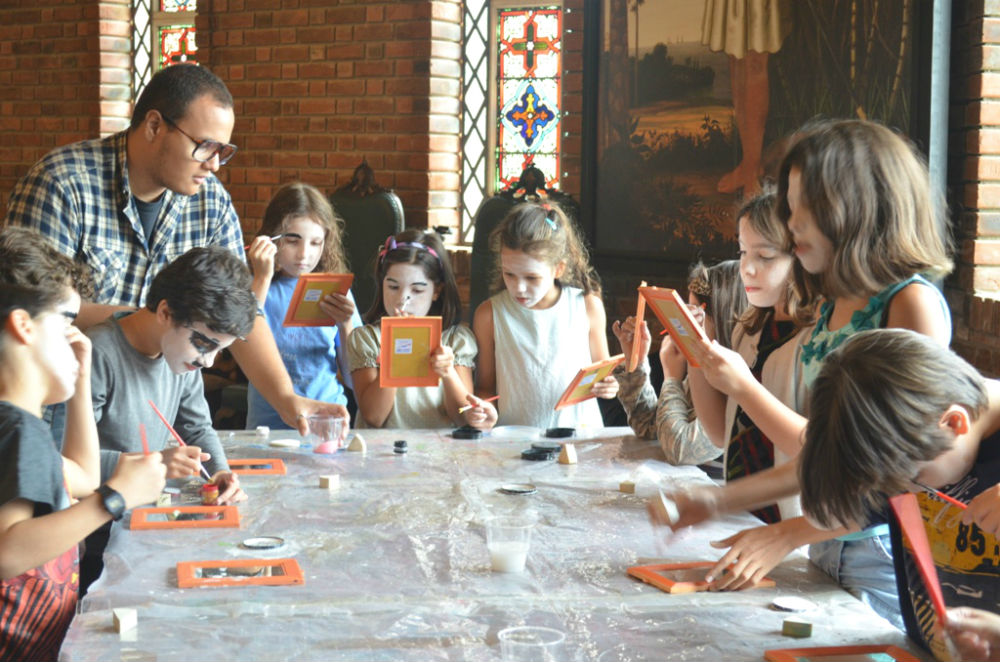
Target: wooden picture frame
{"points": [[673, 313], [304, 310], [653, 575], [407, 343], [239, 572], [228, 517], [839, 652], [640, 316], [579, 389], [249, 466]]}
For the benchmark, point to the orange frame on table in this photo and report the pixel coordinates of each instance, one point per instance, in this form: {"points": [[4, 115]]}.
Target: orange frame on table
{"points": [[290, 573], [229, 517], [652, 574], [673, 313], [837, 652], [640, 316], [304, 310], [242, 466], [405, 356], [580, 388]]}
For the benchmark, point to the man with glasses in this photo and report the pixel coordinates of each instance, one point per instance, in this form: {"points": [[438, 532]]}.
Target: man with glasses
{"points": [[129, 204]]}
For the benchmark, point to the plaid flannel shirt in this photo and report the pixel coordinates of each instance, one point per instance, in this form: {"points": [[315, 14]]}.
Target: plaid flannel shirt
{"points": [[78, 197]]}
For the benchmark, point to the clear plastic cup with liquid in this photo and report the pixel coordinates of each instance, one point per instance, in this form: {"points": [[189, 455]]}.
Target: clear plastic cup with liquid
{"points": [[329, 430], [508, 538]]}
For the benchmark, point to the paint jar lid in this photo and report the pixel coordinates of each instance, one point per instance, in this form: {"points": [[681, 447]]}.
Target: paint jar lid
{"points": [[549, 446], [537, 455], [560, 433], [466, 432], [263, 542]]}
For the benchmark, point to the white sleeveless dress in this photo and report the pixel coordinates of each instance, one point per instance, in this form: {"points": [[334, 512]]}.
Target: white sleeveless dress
{"points": [[537, 355]]}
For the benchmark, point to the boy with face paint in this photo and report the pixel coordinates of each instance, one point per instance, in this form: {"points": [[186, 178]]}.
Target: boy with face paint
{"points": [[198, 305]]}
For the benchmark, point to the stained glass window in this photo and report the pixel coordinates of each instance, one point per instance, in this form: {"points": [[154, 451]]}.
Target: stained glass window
{"points": [[163, 34], [529, 89]]}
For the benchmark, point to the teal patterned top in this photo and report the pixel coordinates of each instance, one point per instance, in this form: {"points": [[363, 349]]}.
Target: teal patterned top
{"points": [[872, 316]]}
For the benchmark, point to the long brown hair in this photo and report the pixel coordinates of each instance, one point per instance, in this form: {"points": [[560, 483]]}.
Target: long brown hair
{"points": [[297, 199]]}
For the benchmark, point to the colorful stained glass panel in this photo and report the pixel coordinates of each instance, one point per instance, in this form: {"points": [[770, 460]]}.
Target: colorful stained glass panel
{"points": [[177, 45], [178, 5], [529, 90]]}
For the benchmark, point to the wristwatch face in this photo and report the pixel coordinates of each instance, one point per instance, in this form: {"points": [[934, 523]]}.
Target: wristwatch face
{"points": [[114, 503]]}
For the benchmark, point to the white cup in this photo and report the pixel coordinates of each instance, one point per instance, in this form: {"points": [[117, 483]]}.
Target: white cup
{"points": [[507, 539], [532, 644]]}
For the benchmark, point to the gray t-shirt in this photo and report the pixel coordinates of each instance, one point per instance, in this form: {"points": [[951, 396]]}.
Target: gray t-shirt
{"points": [[30, 464], [123, 382]]}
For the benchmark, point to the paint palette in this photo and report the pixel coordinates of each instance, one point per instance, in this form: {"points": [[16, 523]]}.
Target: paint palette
{"points": [[515, 432], [517, 488]]}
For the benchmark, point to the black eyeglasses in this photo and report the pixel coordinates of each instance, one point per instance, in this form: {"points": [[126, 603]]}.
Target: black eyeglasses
{"points": [[204, 150]]}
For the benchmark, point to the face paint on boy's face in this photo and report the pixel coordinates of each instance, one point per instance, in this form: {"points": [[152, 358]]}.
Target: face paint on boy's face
{"points": [[192, 347], [55, 351]]}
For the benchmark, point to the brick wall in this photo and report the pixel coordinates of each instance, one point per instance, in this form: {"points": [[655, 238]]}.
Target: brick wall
{"points": [[974, 181], [63, 77]]}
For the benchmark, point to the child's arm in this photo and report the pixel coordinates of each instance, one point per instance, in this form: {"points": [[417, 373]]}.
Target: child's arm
{"points": [[81, 450], [456, 380], [193, 422], [607, 388], [343, 333], [374, 402], [919, 307], [482, 327], [27, 542], [260, 255]]}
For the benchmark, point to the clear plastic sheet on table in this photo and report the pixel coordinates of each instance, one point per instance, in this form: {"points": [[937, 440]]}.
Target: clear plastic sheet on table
{"points": [[396, 564]]}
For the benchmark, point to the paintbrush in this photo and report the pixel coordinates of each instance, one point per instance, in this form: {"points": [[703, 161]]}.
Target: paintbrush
{"points": [[468, 407], [952, 500], [142, 435], [274, 238], [177, 437]]}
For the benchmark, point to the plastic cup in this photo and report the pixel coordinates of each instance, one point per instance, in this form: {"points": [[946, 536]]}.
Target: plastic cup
{"points": [[329, 430], [532, 644], [507, 539]]}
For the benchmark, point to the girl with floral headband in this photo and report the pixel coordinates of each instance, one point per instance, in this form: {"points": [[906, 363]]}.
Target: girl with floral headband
{"points": [[545, 322], [415, 279]]}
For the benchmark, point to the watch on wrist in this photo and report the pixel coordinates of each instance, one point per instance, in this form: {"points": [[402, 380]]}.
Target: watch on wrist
{"points": [[114, 502]]}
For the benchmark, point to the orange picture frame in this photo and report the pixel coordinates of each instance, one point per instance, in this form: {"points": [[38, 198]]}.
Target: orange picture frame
{"points": [[245, 466], [653, 575], [405, 355], [579, 389], [838, 652], [640, 316], [304, 310], [673, 313], [228, 517], [289, 573]]}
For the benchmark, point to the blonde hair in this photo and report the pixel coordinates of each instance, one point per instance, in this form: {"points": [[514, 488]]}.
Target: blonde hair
{"points": [[870, 194], [543, 231], [800, 303], [297, 199]]}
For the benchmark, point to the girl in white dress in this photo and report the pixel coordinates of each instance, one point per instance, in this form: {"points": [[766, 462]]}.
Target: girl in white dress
{"points": [[544, 324]]}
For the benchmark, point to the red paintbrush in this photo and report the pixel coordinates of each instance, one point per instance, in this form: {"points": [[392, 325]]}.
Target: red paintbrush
{"points": [[952, 500], [142, 434], [177, 437], [468, 407]]}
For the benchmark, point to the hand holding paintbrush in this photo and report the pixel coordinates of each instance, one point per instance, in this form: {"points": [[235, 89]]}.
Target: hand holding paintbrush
{"points": [[179, 464]]}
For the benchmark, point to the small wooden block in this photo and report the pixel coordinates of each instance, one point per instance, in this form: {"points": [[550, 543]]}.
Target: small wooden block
{"points": [[124, 619], [358, 444], [568, 454], [165, 499], [627, 486], [330, 482], [796, 627]]}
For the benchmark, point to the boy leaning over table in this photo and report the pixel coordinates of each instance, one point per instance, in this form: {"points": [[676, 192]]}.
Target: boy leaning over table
{"points": [[198, 305], [45, 359], [892, 412]]}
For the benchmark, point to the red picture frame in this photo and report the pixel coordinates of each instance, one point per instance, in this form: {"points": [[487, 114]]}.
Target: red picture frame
{"points": [[653, 575]]}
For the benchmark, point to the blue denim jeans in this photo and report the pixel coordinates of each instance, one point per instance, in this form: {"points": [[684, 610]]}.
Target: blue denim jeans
{"points": [[864, 568]]}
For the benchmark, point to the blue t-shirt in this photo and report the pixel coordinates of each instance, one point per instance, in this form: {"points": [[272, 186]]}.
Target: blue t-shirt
{"points": [[309, 353]]}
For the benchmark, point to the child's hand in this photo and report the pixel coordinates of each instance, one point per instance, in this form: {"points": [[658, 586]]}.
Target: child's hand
{"points": [[482, 415], [984, 511], [442, 360], [81, 346], [975, 632], [752, 554], [672, 359], [625, 332], [338, 307], [301, 409], [694, 505], [607, 388], [229, 488], [724, 369], [261, 255], [139, 478], [183, 461]]}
